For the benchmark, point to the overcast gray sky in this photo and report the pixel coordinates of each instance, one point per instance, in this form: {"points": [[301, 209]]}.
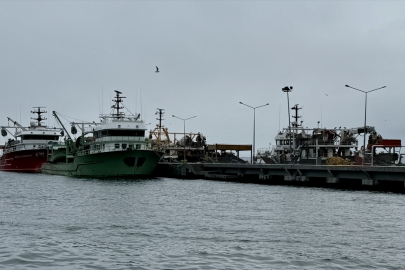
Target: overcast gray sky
{"points": [[212, 54]]}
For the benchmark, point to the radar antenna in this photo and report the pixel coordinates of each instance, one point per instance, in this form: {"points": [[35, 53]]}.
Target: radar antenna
{"points": [[295, 124], [116, 106], [39, 118], [160, 112]]}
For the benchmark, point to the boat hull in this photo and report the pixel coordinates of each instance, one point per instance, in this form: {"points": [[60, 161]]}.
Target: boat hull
{"points": [[107, 164], [23, 161]]}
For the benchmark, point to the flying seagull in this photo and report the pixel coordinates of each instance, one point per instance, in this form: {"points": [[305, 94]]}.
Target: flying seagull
{"points": [[157, 70]]}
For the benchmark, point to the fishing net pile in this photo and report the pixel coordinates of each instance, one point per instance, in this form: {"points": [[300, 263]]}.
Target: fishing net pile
{"points": [[338, 161]]}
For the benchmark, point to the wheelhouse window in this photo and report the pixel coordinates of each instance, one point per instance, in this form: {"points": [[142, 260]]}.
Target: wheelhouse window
{"points": [[120, 132], [117, 146], [40, 137]]}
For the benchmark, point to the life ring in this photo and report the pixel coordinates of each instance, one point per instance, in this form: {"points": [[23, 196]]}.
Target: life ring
{"points": [[362, 148]]}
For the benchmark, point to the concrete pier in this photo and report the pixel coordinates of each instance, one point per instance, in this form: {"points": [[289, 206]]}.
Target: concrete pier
{"points": [[374, 177], [369, 182]]}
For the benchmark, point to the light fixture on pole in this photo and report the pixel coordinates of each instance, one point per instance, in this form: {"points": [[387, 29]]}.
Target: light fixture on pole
{"points": [[184, 138], [365, 116], [288, 90], [254, 124]]}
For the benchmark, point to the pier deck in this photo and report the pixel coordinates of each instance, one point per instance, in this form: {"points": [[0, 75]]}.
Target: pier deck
{"points": [[377, 176]]}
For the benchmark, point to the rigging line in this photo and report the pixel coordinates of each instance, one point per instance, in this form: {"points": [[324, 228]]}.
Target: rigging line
{"points": [[141, 103], [71, 117], [136, 100], [98, 96], [279, 105], [127, 109], [64, 118]]}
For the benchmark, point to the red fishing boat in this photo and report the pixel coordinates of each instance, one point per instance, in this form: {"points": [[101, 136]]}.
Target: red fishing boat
{"points": [[25, 150]]}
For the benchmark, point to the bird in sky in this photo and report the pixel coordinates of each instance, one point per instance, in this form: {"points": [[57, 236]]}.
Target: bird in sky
{"points": [[157, 70], [327, 95]]}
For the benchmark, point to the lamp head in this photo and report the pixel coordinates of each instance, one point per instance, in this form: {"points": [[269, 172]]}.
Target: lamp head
{"points": [[347, 85], [287, 89], [240, 102]]}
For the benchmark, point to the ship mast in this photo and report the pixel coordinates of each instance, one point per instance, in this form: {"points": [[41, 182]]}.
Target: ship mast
{"points": [[160, 112], [295, 124], [117, 106], [39, 117]]}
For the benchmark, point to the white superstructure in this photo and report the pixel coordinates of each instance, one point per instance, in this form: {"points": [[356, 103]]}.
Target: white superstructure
{"points": [[36, 136], [116, 132]]}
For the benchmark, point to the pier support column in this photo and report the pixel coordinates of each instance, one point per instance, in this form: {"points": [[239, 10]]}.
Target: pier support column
{"points": [[289, 178], [369, 182], [264, 177], [183, 171], [332, 180], [302, 178]]}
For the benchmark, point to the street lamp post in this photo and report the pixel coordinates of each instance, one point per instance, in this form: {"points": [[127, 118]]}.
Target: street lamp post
{"points": [[254, 125], [365, 116], [184, 121], [288, 90]]}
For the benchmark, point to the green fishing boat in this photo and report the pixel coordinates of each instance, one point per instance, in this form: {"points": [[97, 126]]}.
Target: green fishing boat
{"points": [[117, 148]]}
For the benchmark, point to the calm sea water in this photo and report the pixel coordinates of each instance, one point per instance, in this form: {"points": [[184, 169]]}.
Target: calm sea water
{"points": [[54, 222]]}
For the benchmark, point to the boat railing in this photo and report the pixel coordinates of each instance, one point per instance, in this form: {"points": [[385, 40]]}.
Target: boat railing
{"points": [[264, 151], [320, 155], [120, 139], [26, 146], [104, 150], [332, 142]]}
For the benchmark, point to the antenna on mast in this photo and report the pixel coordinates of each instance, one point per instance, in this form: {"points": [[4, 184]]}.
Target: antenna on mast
{"points": [[279, 105], [116, 106], [160, 112], [140, 92], [39, 118], [295, 124]]}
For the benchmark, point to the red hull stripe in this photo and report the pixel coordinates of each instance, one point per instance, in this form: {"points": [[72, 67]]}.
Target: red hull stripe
{"points": [[24, 161]]}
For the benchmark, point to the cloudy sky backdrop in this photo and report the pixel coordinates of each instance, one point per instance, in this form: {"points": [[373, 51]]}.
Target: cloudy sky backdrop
{"points": [[71, 55]]}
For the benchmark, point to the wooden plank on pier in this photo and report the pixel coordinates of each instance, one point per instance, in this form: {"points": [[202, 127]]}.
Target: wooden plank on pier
{"points": [[234, 147]]}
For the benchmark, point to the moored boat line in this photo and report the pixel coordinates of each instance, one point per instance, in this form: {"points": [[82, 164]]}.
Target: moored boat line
{"points": [[318, 146], [26, 152], [115, 147]]}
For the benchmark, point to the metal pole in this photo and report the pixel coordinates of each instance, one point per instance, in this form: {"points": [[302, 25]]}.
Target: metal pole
{"points": [[289, 120], [184, 158], [364, 139], [254, 135], [254, 127], [184, 132], [365, 116]]}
